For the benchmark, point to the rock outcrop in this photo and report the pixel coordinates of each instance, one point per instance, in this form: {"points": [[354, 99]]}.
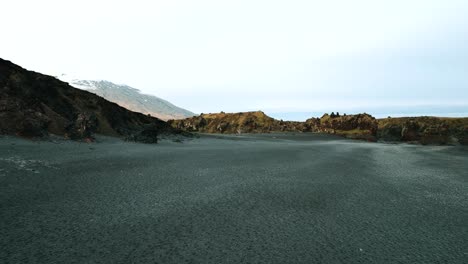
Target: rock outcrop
{"points": [[359, 126], [148, 135], [35, 105], [424, 130], [237, 123], [83, 126]]}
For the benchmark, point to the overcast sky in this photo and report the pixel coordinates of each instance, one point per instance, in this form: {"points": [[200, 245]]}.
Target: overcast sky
{"points": [[283, 57]]}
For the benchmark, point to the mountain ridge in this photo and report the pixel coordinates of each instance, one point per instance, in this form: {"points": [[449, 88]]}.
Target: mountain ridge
{"points": [[131, 98]]}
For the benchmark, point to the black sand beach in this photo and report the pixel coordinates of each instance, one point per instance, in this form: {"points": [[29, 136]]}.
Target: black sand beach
{"points": [[233, 199]]}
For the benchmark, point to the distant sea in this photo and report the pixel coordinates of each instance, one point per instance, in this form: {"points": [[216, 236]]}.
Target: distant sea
{"points": [[379, 113]]}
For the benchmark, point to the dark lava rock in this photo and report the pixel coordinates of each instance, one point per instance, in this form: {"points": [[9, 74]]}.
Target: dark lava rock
{"points": [[410, 131], [391, 133], [463, 138], [83, 127], [424, 130], [33, 125], [148, 135]]}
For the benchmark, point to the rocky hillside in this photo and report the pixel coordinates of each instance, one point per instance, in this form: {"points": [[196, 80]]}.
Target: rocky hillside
{"points": [[34, 105], [232, 123], [425, 130], [259, 122], [132, 99]]}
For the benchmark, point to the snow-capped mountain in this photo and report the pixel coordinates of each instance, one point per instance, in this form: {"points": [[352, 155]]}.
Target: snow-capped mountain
{"points": [[130, 98]]}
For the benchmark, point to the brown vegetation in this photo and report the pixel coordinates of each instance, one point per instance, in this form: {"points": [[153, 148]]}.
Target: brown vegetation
{"points": [[236, 123]]}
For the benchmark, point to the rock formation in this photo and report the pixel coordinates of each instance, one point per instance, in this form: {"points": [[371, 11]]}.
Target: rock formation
{"points": [[359, 126], [236, 123], [424, 130]]}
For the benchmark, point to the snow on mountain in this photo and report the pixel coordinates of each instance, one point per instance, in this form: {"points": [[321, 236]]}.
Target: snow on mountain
{"points": [[130, 98]]}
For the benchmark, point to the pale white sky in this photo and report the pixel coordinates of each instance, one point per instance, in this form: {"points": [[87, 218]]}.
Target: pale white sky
{"points": [[277, 56]]}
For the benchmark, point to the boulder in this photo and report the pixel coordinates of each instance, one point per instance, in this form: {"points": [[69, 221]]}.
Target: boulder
{"points": [[148, 135], [83, 127], [463, 136], [410, 131], [390, 133], [222, 127]]}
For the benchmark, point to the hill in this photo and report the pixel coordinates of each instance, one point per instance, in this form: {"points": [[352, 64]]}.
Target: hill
{"points": [[259, 122], [131, 99], [35, 105], [232, 123]]}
